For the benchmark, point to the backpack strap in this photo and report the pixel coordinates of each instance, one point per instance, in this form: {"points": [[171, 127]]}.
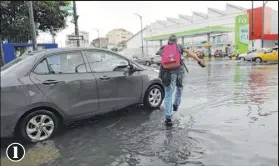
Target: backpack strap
{"points": [[181, 62]]}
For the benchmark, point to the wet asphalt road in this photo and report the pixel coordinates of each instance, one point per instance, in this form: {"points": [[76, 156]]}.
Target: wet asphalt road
{"points": [[228, 116]]}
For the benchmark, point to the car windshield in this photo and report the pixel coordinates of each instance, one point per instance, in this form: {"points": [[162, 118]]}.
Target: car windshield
{"points": [[270, 50], [18, 60], [261, 50]]}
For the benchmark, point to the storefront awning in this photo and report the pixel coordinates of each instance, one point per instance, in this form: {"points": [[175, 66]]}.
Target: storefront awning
{"points": [[193, 33]]}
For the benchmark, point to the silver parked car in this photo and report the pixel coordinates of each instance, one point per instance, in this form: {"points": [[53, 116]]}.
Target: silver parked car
{"points": [[42, 91], [147, 60]]}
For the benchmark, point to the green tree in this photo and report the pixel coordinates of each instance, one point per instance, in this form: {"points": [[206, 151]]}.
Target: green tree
{"points": [[15, 24]]}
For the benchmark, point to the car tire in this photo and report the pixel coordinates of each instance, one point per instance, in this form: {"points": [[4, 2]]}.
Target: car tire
{"points": [[258, 60], [47, 127], [147, 63], [154, 97], [242, 59]]}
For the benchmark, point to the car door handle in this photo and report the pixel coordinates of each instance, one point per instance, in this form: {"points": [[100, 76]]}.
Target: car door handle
{"points": [[50, 82], [104, 78]]}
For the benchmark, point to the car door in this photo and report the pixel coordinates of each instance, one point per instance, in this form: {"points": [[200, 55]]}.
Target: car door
{"points": [[267, 56], [67, 82], [274, 54], [249, 56], [117, 88]]}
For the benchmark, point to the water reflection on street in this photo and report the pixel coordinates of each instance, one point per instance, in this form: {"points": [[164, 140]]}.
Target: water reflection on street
{"points": [[228, 116]]}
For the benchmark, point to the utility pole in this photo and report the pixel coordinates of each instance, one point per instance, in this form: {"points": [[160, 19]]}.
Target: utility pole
{"points": [[98, 36], [2, 60], [142, 50], [32, 24], [76, 21], [264, 3], [253, 24], [52, 34]]}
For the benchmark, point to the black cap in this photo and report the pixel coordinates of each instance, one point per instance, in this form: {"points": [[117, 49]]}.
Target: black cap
{"points": [[172, 39]]}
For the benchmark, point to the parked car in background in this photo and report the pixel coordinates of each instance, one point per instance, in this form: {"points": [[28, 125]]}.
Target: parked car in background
{"points": [[200, 54], [147, 60], [242, 56], [249, 56], [269, 55], [156, 59], [219, 54], [43, 91]]}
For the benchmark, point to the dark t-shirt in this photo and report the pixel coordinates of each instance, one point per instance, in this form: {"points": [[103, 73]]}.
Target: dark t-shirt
{"points": [[181, 69]]}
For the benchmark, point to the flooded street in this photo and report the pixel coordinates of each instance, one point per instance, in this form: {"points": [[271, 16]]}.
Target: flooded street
{"points": [[228, 116]]}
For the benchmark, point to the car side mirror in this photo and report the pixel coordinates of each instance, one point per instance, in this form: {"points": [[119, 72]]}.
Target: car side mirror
{"points": [[130, 68], [124, 67]]}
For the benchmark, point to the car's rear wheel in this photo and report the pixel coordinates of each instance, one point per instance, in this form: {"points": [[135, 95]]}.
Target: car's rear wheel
{"points": [[154, 97], [39, 125], [258, 60], [147, 63]]}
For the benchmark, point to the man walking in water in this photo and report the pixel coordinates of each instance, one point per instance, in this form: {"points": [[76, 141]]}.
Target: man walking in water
{"points": [[172, 71]]}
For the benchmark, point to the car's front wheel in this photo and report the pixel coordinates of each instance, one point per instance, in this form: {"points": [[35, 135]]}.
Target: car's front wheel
{"points": [[147, 63], [242, 59], [258, 60], [39, 125], [154, 97]]}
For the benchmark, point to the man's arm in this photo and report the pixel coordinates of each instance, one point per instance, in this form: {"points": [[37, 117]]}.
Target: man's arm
{"points": [[193, 55], [159, 52]]}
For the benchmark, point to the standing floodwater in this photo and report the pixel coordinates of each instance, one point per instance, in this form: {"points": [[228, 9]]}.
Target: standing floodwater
{"points": [[229, 116]]}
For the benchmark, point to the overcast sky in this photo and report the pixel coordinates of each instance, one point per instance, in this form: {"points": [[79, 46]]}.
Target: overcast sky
{"points": [[107, 15]]}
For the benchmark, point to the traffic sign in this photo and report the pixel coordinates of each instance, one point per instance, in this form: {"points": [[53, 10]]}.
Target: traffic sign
{"points": [[66, 8], [74, 37]]}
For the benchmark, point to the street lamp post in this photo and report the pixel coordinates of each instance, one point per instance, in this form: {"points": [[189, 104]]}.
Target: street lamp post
{"points": [[98, 36], [53, 33], [2, 60], [142, 50], [32, 24], [76, 21], [264, 3]]}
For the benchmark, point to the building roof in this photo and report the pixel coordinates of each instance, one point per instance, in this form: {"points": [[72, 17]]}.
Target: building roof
{"points": [[201, 15], [237, 7], [101, 38], [119, 29], [217, 11], [193, 32], [185, 17], [173, 20]]}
